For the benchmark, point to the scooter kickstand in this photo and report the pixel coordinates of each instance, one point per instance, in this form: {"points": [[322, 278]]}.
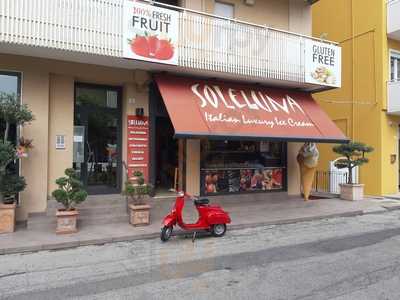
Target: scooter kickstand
{"points": [[194, 236]]}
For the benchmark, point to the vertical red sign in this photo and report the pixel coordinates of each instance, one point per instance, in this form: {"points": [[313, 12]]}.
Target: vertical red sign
{"points": [[138, 146]]}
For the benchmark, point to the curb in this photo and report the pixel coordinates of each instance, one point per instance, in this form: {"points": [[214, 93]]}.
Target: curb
{"points": [[147, 236]]}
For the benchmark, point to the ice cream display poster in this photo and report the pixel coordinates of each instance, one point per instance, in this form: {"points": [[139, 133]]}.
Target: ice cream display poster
{"points": [[323, 63], [150, 33]]}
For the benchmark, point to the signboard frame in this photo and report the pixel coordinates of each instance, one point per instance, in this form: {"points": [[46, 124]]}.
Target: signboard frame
{"points": [[150, 33], [138, 146], [323, 63]]}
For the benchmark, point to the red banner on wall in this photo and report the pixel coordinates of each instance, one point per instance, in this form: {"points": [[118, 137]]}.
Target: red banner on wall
{"points": [[138, 146]]}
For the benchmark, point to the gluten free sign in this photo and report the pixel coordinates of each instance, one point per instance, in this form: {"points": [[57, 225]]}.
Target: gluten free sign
{"points": [[323, 63], [324, 55]]}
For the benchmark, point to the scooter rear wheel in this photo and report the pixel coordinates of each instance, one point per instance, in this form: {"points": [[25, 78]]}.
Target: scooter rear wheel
{"points": [[218, 230], [166, 233]]}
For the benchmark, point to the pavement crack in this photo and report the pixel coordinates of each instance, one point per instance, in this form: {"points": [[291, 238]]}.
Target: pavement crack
{"points": [[12, 274]]}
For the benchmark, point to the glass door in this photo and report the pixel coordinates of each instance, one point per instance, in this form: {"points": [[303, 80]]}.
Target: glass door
{"points": [[97, 137]]}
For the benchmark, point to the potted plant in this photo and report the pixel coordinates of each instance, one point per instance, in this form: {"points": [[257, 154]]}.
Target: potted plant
{"points": [[24, 145], [138, 194], [136, 175], [353, 156], [69, 193], [12, 112]]}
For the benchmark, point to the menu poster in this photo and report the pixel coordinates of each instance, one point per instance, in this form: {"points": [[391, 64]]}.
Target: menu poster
{"points": [[138, 146], [243, 180], [233, 180]]}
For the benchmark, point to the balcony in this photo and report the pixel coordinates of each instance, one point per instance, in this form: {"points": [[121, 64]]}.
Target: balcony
{"points": [[393, 105], [90, 31], [393, 19]]}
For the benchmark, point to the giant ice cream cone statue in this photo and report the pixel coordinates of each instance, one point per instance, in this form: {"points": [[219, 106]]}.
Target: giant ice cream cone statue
{"points": [[308, 161]]}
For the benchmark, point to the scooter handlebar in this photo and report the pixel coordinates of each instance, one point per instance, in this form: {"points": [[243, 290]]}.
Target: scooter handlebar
{"points": [[186, 195]]}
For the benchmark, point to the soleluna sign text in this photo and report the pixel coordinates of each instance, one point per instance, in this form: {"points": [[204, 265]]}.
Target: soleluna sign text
{"points": [[254, 100]]}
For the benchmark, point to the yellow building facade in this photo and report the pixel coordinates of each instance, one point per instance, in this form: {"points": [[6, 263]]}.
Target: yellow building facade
{"points": [[360, 107]]}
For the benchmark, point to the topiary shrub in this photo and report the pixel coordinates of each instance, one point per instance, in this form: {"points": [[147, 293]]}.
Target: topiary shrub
{"points": [[354, 156], [135, 192], [11, 112], [70, 190]]}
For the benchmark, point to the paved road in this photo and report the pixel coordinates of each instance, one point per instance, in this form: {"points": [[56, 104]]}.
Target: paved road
{"points": [[342, 258]]}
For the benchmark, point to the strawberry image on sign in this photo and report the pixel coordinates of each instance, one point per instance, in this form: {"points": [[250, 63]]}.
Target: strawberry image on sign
{"points": [[153, 42], [140, 46], [164, 50], [152, 47]]}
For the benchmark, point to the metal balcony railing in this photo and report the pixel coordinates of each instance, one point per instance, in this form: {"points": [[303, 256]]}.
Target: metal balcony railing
{"points": [[393, 19], [393, 94], [206, 42], [225, 45], [89, 26]]}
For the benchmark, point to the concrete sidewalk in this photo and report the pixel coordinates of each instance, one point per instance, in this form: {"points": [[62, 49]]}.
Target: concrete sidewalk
{"points": [[248, 211]]}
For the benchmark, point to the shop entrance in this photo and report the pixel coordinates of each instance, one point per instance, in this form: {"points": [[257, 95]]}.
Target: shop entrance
{"points": [[164, 147], [166, 156], [97, 137]]}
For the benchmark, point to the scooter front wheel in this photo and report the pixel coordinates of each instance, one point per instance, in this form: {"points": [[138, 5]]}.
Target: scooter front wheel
{"points": [[218, 230], [166, 233]]}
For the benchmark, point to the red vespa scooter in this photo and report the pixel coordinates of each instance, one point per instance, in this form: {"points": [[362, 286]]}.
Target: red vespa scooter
{"points": [[212, 218]]}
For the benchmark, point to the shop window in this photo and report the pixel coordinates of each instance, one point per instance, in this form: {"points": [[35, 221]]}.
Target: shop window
{"points": [[238, 166], [394, 66], [10, 83], [96, 97]]}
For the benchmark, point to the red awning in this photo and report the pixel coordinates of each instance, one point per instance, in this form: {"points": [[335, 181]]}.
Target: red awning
{"points": [[221, 110]]}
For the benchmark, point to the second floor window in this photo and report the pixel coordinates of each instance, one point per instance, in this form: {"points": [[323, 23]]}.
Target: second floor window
{"points": [[395, 66], [224, 9]]}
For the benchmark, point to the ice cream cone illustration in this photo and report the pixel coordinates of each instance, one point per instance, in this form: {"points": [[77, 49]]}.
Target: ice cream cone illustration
{"points": [[308, 160]]}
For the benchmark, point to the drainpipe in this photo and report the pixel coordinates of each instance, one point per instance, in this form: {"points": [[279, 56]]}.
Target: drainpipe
{"points": [[352, 73]]}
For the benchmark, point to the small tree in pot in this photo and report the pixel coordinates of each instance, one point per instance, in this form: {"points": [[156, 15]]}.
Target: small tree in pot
{"points": [[353, 156], [69, 193], [138, 193], [12, 112]]}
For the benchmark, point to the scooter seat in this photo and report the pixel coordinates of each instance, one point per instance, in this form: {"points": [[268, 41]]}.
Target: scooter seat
{"points": [[203, 201]]}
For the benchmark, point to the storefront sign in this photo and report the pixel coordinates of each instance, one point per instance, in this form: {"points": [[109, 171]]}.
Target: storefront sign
{"points": [[150, 33], [215, 108], [138, 146], [323, 63]]}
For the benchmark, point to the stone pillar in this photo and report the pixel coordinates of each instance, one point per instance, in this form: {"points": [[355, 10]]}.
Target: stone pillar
{"points": [[193, 167], [61, 122], [293, 170], [35, 93]]}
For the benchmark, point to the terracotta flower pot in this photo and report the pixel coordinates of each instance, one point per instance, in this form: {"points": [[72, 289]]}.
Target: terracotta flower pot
{"points": [[7, 218], [22, 152], [351, 192], [139, 214], [67, 221]]}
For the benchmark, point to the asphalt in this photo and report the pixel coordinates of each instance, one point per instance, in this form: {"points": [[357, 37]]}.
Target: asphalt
{"points": [[245, 213]]}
